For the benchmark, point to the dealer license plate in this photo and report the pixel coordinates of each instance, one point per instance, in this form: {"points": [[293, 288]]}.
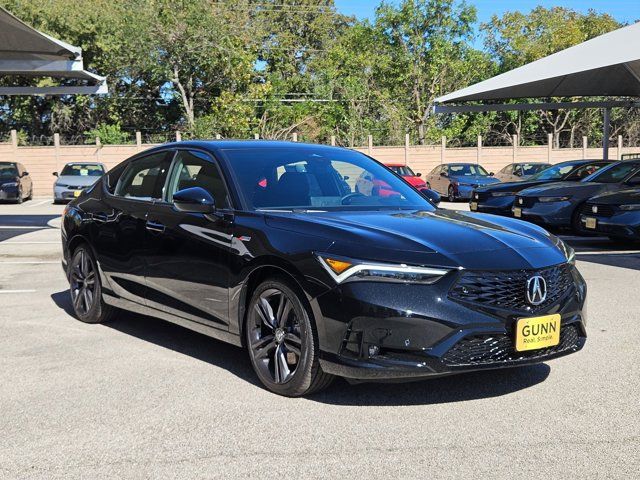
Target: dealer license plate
{"points": [[473, 206], [591, 222], [517, 212], [537, 332]]}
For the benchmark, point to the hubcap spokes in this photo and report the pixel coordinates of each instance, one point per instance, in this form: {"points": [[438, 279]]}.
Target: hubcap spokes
{"points": [[276, 340], [83, 280]]}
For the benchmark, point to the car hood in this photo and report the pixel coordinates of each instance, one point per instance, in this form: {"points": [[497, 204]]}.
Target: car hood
{"points": [[77, 180], [511, 186], [575, 189], [618, 198], [415, 181], [438, 238], [473, 179]]}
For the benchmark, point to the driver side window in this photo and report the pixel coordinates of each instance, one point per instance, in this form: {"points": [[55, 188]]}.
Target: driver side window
{"points": [[196, 169]]}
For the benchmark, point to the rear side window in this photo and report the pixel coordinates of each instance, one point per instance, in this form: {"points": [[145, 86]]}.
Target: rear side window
{"points": [[144, 178]]}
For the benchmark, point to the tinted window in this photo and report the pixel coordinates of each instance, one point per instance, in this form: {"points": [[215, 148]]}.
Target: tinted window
{"points": [[195, 169], [531, 168], [82, 170], [8, 170], [583, 172], [311, 178], [614, 174], [143, 179], [403, 170], [466, 170], [556, 172]]}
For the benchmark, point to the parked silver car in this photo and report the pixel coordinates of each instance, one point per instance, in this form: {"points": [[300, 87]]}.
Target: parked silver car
{"points": [[515, 172], [74, 178]]}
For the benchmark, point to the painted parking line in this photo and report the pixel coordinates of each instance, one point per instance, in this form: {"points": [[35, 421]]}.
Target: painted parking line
{"points": [[24, 227], [36, 262], [16, 291], [29, 243], [610, 252], [42, 202]]}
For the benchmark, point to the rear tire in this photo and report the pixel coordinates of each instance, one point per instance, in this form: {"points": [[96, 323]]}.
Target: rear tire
{"points": [[282, 340], [85, 288]]}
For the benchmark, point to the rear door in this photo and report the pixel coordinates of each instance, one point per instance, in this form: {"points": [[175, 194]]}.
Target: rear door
{"points": [[120, 234], [188, 259]]}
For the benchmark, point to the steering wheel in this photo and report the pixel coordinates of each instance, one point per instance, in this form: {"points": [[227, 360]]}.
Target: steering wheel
{"points": [[346, 200]]}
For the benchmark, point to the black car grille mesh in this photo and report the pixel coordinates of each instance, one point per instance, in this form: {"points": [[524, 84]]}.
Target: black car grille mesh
{"points": [[602, 210], [525, 202], [480, 196], [499, 349], [508, 290]]}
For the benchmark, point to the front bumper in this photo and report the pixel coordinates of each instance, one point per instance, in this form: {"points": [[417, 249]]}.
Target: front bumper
{"points": [[463, 192], [550, 214], [623, 225], [495, 205], [9, 193], [66, 193], [379, 331]]}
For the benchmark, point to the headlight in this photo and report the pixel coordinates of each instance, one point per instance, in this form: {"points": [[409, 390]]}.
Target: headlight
{"points": [[630, 207], [503, 194], [553, 199], [569, 252], [10, 184], [64, 185], [348, 270]]}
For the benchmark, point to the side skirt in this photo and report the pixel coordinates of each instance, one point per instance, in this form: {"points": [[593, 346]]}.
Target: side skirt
{"points": [[183, 322]]}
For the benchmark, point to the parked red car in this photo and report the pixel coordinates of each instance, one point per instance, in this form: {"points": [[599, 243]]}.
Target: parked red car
{"points": [[408, 174]]}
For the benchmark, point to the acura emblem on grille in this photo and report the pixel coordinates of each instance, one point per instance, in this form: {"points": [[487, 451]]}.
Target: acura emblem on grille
{"points": [[594, 209], [520, 201], [536, 290]]}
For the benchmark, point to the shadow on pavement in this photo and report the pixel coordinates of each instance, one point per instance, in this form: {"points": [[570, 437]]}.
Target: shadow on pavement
{"points": [[456, 388], [39, 222]]}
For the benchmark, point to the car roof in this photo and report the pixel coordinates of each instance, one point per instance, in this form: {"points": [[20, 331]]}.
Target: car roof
{"points": [[221, 145], [530, 163]]}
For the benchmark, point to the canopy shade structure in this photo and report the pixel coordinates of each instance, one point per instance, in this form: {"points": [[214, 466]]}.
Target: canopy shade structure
{"points": [[608, 65], [26, 52], [605, 66]]}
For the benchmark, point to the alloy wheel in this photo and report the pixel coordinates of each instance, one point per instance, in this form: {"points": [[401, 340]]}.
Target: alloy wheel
{"points": [[275, 336], [83, 283]]}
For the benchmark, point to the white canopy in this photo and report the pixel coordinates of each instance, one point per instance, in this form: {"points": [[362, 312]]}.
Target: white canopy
{"points": [[25, 51], [608, 65]]}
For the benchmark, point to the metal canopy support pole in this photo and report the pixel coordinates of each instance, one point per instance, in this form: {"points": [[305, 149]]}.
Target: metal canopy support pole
{"points": [[605, 133]]}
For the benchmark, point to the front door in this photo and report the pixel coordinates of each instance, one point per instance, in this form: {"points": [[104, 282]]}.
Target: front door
{"points": [[187, 264]]}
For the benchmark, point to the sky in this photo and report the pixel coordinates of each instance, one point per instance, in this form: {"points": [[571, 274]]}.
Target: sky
{"points": [[623, 10]]}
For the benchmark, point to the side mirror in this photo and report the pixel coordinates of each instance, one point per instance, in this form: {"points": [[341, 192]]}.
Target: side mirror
{"points": [[491, 174], [25, 174], [432, 196], [194, 200], [418, 174], [444, 174], [55, 174], [345, 177]]}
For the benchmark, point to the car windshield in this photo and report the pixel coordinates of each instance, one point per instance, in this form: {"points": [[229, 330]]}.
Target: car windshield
{"points": [[8, 170], [82, 170], [532, 168], [309, 178], [614, 174], [403, 170], [467, 170], [556, 172]]}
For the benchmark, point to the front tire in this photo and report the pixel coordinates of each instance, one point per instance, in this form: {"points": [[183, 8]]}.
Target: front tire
{"points": [[86, 289], [282, 341], [451, 194]]}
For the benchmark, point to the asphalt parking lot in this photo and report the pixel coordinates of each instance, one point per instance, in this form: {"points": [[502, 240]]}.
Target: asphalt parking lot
{"points": [[141, 398]]}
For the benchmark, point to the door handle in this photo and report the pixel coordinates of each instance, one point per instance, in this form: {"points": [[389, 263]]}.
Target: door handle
{"points": [[154, 227]]}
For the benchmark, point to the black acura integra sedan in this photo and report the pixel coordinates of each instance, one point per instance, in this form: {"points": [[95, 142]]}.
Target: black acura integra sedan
{"points": [[267, 245]]}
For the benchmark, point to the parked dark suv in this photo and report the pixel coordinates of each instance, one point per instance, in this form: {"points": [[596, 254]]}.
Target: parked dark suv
{"points": [[268, 245], [15, 182]]}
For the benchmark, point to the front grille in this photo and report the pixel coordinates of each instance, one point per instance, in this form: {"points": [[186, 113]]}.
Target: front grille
{"points": [[481, 196], [525, 202], [499, 349], [508, 289], [601, 210]]}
